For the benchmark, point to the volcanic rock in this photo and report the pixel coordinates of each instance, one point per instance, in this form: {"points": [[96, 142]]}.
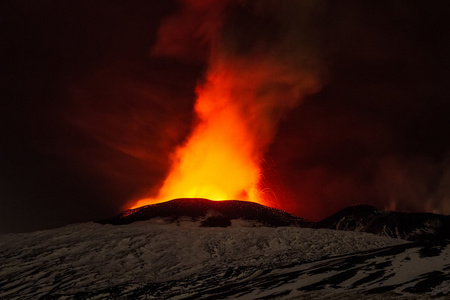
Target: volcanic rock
{"points": [[408, 226], [209, 214]]}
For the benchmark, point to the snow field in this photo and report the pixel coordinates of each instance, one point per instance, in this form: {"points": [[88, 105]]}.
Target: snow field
{"points": [[90, 256]]}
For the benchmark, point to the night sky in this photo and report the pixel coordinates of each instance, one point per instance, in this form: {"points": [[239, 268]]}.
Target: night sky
{"points": [[91, 111]]}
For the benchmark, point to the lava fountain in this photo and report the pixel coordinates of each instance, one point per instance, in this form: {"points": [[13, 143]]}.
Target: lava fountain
{"points": [[239, 104]]}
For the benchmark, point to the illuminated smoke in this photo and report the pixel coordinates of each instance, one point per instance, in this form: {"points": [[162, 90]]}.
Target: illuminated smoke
{"points": [[260, 65], [376, 132]]}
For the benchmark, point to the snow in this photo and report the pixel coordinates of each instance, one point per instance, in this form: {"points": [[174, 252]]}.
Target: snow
{"points": [[172, 261]]}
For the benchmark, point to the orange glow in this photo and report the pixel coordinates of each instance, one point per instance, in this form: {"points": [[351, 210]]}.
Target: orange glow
{"points": [[219, 161], [238, 108]]}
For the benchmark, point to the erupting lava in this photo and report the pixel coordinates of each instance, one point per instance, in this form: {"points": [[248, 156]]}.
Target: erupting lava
{"points": [[250, 84], [220, 160]]}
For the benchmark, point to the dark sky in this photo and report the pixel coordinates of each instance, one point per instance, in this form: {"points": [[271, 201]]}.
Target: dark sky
{"points": [[88, 117]]}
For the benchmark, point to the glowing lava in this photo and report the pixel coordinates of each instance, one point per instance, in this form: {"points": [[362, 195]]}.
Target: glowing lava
{"points": [[250, 84], [238, 109], [219, 161]]}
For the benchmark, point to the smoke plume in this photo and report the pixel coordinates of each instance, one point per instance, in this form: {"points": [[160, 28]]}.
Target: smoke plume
{"points": [[261, 63]]}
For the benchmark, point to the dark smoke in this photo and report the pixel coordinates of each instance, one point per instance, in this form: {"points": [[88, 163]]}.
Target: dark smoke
{"points": [[378, 132]]}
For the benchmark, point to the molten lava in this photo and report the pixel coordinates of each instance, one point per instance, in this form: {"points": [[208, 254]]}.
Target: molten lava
{"points": [[220, 160], [238, 109], [250, 84]]}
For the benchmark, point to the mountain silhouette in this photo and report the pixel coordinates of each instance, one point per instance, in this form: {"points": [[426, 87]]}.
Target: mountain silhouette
{"points": [[209, 213], [363, 218], [407, 226]]}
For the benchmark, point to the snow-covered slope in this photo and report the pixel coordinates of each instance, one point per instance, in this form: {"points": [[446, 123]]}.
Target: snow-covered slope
{"points": [[147, 261]]}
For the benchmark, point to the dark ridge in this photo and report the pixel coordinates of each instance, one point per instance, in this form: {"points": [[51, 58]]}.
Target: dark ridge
{"points": [[408, 226], [211, 213], [418, 227]]}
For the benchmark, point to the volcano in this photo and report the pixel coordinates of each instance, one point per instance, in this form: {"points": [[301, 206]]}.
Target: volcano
{"points": [[208, 213]]}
